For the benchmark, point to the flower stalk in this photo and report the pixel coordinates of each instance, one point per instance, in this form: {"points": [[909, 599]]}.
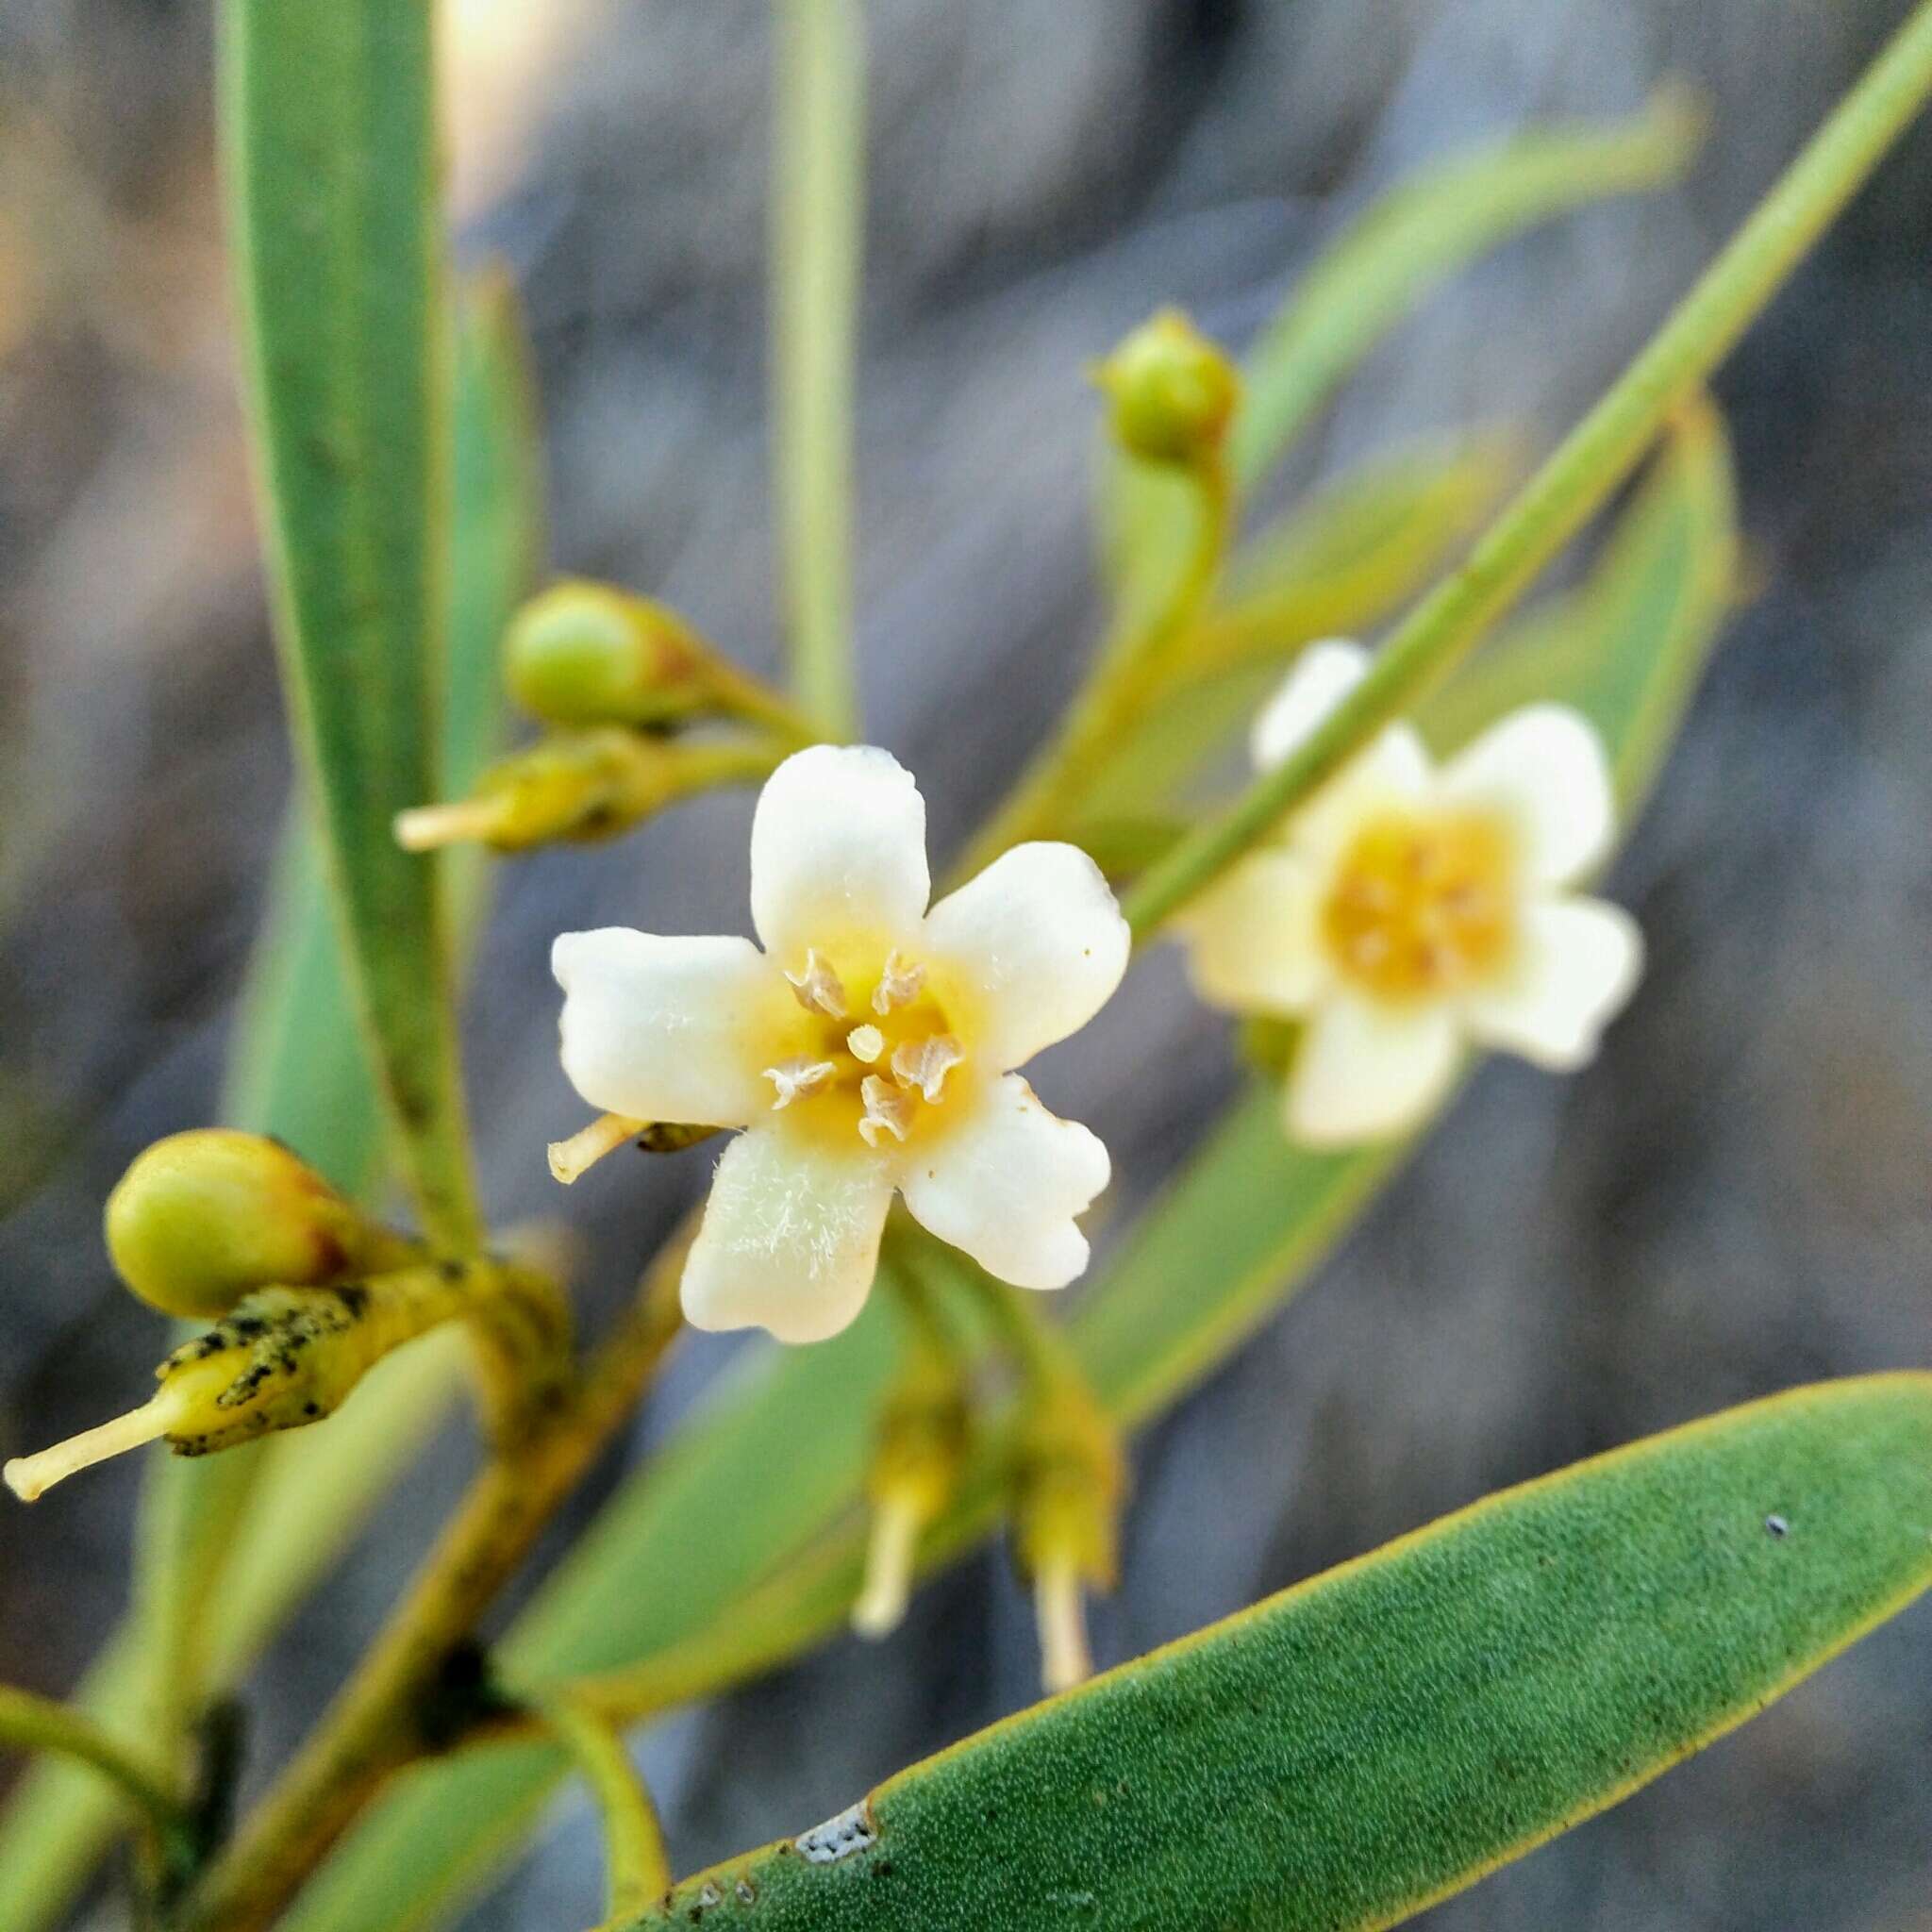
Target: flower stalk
{"points": [[637, 1865]]}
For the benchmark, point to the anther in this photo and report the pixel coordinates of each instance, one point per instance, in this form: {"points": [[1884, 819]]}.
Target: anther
{"points": [[796, 1077], [899, 984], [865, 1043], [887, 1111], [924, 1064], [818, 988]]}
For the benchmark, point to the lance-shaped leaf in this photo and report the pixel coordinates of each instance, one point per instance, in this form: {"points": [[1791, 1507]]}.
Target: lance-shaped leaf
{"points": [[1383, 1736], [331, 170]]}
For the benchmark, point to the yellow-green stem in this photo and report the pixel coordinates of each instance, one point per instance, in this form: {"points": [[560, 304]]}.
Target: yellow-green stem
{"points": [[818, 218], [371, 1730], [1591, 461], [39, 1723], [637, 1867]]}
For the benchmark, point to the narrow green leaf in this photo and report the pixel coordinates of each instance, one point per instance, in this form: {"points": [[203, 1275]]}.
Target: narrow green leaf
{"points": [[1415, 238], [331, 169], [1387, 1734], [1243, 1226], [266, 1523]]}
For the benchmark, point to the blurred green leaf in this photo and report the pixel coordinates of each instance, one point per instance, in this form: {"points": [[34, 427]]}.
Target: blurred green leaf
{"points": [[331, 168], [1413, 238], [1387, 1734], [230, 1543], [1241, 1227], [1346, 556]]}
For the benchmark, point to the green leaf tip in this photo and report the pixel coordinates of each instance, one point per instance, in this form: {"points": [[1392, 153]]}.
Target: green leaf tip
{"points": [[1386, 1734]]}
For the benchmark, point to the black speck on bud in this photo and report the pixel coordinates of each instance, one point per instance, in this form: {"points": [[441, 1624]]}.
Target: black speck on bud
{"points": [[1171, 392]]}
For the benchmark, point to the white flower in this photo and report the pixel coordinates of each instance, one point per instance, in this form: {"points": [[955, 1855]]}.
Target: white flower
{"points": [[868, 1047], [1404, 910]]}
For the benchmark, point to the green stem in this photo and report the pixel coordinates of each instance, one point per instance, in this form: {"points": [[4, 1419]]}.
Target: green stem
{"points": [[1134, 666], [39, 1723], [1594, 458], [818, 213], [636, 1865]]}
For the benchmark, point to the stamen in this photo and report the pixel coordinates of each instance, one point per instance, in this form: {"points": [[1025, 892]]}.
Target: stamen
{"points": [[924, 1064], [588, 1145], [899, 984], [819, 990], [1064, 1657], [865, 1043], [889, 1555], [31, 1477], [796, 1077], [424, 827], [887, 1111]]}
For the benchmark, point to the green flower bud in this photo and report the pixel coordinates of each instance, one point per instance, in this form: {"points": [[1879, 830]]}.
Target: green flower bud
{"points": [[202, 1217], [586, 653], [1172, 392]]}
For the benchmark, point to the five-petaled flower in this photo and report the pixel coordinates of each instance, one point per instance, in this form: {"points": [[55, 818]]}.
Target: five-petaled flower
{"points": [[1404, 910], [868, 1047]]}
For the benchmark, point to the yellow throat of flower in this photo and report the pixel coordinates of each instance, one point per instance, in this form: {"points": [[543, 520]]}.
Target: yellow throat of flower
{"points": [[873, 1052], [1422, 906]]}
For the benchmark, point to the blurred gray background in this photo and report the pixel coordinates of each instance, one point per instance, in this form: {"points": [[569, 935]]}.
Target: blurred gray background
{"points": [[1737, 1197]]}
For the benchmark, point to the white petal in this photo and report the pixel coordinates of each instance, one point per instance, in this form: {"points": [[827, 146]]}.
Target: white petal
{"points": [[838, 847], [1032, 948], [668, 1029], [1004, 1184], [1323, 675], [1390, 774], [791, 1237], [1254, 938], [1367, 1069], [1542, 769], [1575, 963]]}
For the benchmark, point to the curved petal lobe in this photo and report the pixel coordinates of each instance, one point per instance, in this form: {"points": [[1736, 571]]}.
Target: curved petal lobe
{"points": [[666, 1029], [1367, 1071], [791, 1236], [838, 847], [1036, 944], [1253, 937], [1004, 1185], [1542, 770], [1577, 963]]}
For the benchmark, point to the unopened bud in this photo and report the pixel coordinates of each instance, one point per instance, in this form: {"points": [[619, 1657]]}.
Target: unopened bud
{"points": [[1171, 391], [587, 653], [919, 1449], [202, 1217]]}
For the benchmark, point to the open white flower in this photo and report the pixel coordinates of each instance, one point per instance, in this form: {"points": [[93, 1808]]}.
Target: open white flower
{"points": [[1404, 910], [869, 1047]]}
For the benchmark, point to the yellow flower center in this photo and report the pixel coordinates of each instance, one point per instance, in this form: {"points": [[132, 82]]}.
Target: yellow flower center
{"points": [[874, 1053], [1422, 906]]}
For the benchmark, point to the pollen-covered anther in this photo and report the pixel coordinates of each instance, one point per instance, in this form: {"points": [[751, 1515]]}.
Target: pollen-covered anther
{"points": [[818, 988], [887, 1111], [865, 1045], [924, 1064], [796, 1077], [899, 984]]}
